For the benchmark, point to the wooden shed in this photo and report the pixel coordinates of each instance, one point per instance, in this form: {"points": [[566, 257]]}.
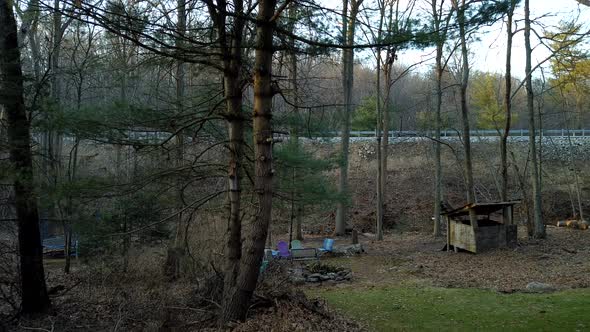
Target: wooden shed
{"points": [[493, 227]]}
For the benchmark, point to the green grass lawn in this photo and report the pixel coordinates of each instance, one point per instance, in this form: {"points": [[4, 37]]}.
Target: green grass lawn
{"points": [[411, 308]]}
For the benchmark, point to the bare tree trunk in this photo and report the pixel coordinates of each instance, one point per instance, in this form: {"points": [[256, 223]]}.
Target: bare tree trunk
{"points": [[385, 142], [71, 174], [28, 29], [232, 309], [49, 140], [236, 307], [574, 170], [67, 246], [437, 16], [468, 167], [341, 208], [507, 104], [387, 73], [539, 226], [72, 170], [523, 188], [349, 21], [178, 249], [236, 136], [54, 139], [32, 275], [379, 182], [437, 144], [180, 96], [294, 91]]}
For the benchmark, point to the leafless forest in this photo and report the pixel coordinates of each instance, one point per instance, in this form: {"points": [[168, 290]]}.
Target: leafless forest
{"points": [[187, 164]]}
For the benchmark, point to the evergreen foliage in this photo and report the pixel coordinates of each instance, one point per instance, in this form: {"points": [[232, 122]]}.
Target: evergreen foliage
{"points": [[303, 176]]}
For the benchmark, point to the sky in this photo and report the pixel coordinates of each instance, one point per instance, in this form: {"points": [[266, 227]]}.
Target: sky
{"points": [[489, 53]]}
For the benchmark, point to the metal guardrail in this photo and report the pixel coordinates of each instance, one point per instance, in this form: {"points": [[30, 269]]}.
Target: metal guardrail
{"points": [[160, 136], [473, 133]]}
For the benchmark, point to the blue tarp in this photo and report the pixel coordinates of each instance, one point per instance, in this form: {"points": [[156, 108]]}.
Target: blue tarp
{"points": [[57, 244]]}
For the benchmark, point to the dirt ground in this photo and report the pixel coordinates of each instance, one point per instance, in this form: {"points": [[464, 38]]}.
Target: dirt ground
{"points": [[561, 260], [100, 297]]}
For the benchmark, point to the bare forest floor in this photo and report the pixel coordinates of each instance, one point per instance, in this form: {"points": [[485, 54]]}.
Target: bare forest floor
{"points": [[99, 295], [560, 260]]}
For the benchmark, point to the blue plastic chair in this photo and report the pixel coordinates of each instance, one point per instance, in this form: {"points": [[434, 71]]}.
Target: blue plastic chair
{"points": [[327, 245]]}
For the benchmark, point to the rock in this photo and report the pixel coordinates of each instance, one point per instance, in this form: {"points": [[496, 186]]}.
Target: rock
{"points": [[315, 275], [297, 280], [325, 277], [348, 276], [312, 279], [348, 249], [539, 287]]}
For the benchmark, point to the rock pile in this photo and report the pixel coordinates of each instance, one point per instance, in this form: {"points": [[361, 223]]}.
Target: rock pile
{"points": [[558, 148], [553, 147], [318, 273], [319, 277]]}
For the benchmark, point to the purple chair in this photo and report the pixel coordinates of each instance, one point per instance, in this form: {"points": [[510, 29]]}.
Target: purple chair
{"points": [[283, 248]]}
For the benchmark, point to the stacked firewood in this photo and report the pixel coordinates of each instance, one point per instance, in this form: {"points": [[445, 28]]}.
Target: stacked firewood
{"points": [[576, 224]]}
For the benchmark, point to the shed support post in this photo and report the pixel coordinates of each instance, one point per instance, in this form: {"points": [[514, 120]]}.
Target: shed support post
{"points": [[507, 215], [474, 226], [448, 219]]}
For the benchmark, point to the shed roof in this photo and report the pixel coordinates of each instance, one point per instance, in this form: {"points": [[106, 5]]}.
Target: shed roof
{"points": [[479, 208]]}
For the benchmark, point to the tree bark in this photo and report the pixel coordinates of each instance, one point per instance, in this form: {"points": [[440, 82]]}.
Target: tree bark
{"points": [[437, 15], [32, 276], [468, 166], [387, 73], [507, 104], [294, 92], [379, 182], [54, 138], [231, 44], [178, 249], [236, 307], [349, 25], [385, 140], [539, 226]]}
